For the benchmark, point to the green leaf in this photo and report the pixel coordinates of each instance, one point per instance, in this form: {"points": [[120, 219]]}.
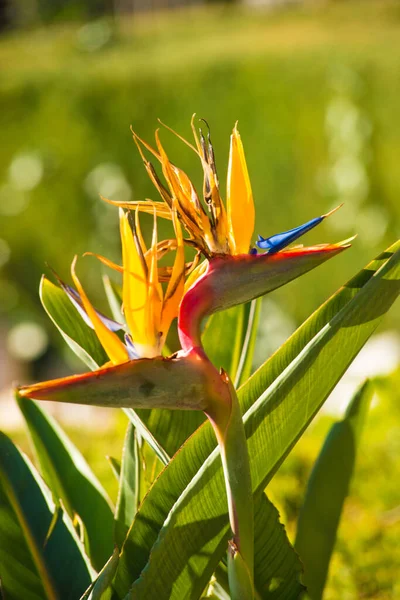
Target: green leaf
{"points": [[170, 428], [38, 554], [146, 434], [246, 357], [128, 492], [223, 338], [114, 297], [326, 492], [215, 592], [277, 567], [229, 339], [115, 466], [185, 511], [101, 588], [70, 478], [80, 337]]}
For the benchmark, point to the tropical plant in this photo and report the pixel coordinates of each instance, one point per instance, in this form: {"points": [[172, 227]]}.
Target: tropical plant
{"points": [[168, 538]]}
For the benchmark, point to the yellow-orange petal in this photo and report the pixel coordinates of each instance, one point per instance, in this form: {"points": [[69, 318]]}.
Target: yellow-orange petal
{"points": [[176, 283], [138, 233], [134, 289], [111, 343], [106, 261], [146, 206], [240, 204], [196, 274], [155, 294]]}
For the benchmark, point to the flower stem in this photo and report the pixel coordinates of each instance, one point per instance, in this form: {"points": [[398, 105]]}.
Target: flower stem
{"points": [[229, 429]]}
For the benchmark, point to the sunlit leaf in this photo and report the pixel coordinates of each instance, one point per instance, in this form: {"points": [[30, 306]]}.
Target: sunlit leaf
{"points": [[101, 588], [38, 554], [79, 336], [223, 338], [277, 567], [190, 491], [71, 479], [327, 489], [115, 466], [128, 492], [244, 370]]}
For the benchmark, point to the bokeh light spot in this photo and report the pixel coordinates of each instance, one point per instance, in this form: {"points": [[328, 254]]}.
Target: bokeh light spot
{"points": [[27, 341]]}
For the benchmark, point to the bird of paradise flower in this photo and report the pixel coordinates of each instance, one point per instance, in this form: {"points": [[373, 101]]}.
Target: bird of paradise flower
{"points": [[231, 273]]}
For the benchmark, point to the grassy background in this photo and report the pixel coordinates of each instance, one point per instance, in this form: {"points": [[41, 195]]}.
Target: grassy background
{"points": [[316, 93]]}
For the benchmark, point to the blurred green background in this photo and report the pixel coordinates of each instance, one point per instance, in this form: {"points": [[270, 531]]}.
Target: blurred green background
{"points": [[315, 87]]}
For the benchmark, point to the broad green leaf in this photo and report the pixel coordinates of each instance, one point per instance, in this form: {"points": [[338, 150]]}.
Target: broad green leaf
{"points": [[79, 336], [326, 492], [101, 588], [38, 554], [274, 366], [223, 338], [70, 478], [190, 490], [128, 492], [277, 568]]}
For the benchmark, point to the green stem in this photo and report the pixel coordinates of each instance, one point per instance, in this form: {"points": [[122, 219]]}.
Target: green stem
{"points": [[229, 429]]}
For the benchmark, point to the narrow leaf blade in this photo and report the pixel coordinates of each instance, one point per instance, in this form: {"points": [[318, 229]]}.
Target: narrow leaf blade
{"points": [[128, 492], [249, 342], [223, 338], [326, 492], [79, 336], [70, 478], [277, 567], [30, 555]]}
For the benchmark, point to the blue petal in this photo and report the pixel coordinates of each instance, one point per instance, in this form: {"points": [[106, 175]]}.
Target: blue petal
{"points": [[281, 240], [130, 346]]}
